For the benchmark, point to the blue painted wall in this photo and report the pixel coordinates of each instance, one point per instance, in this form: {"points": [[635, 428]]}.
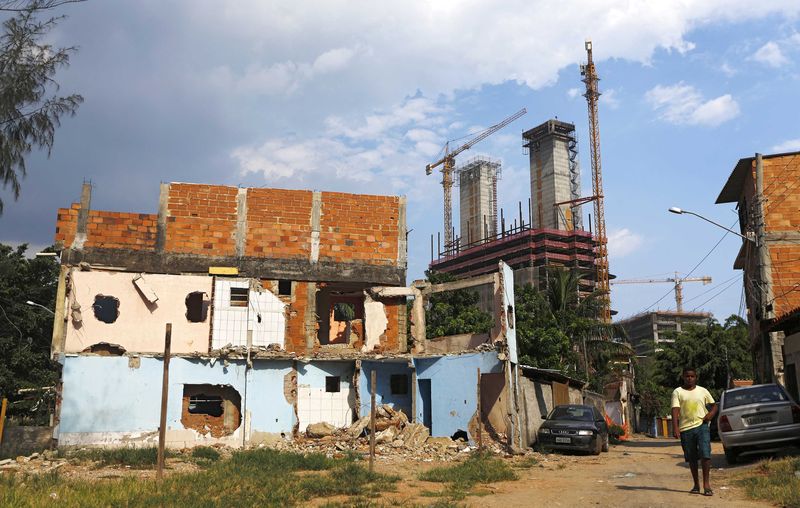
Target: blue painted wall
{"points": [[103, 394], [383, 392], [454, 384], [314, 374]]}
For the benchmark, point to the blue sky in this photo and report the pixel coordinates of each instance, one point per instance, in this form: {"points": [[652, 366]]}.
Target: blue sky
{"points": [[359, 96]]}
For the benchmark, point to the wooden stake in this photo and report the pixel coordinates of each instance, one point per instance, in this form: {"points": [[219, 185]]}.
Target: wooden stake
{"points": [[372, 421], [162, 428], [3, 407], [480, 416]]}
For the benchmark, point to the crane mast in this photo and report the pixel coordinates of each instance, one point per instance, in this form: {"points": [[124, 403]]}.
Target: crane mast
{"points": [[601, 255], [448, 163]]}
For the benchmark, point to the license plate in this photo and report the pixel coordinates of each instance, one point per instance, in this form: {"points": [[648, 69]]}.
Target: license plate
{"points": [[563, 440], [755, 420]]}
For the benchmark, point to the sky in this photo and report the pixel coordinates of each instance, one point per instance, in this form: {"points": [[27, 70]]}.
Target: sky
{"points": [[357, 96]]}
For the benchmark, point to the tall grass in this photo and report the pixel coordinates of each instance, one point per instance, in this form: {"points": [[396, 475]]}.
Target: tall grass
{"points": [[480, 467], [776, 481], [249, 478]]}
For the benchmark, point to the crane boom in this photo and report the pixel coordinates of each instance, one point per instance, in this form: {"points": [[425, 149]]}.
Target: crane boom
{"points": [[678, 281], [601, 256], [448, 163]]}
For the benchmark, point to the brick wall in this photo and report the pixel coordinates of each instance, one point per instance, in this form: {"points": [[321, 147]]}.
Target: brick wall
{"points": [[119, 230], [295, 341], [782, 211], [278, 223], [201, 219], [356, 227]]}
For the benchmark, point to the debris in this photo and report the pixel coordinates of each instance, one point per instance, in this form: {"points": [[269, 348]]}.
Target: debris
{"points": [[439, 442], [357, 429], [386, 436], [318, 430], [414, 435], [5, 461], [33, 456], [726, 488], [53, 495]]}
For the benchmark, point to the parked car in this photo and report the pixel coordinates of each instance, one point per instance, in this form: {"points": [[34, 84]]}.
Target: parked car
{"points": [[574, 427], [757, 418]]}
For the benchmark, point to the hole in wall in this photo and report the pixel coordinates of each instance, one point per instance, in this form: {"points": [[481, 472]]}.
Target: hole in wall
{"points": [[196, 308], [106, 308], [333, 384], [399, 384], [105, 349], [239, 297], [211, 409], [284, 288]]}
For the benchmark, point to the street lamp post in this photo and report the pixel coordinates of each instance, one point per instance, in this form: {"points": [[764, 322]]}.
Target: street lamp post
{"points": [[34, 304], [681, 211]]}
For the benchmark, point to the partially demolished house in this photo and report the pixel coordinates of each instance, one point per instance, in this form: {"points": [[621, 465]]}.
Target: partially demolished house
{"points": [[281, 305]]}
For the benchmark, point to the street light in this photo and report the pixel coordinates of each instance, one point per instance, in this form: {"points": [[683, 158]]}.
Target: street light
{"points": [[34, 304], [680, 211]]}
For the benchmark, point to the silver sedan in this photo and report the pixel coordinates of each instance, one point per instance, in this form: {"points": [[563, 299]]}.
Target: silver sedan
{"points": [[757, 418]]}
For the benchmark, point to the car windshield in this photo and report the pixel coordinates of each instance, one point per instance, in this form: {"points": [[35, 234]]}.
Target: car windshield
{"points": [[571, 413], [754, 395]]}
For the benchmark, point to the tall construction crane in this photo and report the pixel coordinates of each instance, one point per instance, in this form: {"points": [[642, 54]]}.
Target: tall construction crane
{"points": [[448, 163], [592, 95], [677, 280]]}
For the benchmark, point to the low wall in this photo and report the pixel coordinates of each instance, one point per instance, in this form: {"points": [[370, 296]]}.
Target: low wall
{"points": [[25, 440]]}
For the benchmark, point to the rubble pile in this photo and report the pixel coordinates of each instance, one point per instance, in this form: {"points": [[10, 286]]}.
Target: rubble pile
{"points": [[395, 436]]}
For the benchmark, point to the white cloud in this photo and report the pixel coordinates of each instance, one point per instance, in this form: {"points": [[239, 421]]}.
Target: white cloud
{"points": [[790, 145], [439, 52], [727, 69], [622, 242], [610, 99], [683, 104], [770, 54], [573, 92]]}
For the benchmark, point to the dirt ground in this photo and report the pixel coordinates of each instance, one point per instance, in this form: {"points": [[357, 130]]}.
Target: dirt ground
{"points": [[642, 472]]}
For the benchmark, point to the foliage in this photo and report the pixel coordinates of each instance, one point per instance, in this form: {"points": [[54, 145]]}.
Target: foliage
{"points": [[774, 481], [454, 312], [718, 351], [559, 328], [205, 453], [137, 458], [252, 478], [480, 467], [26, 331], [615, 431], [30, 107]]}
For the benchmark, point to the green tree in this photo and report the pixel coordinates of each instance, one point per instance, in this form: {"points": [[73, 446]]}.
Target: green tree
{"points": [[26, 331], [30, 106], [454, 312], [719, 352]]}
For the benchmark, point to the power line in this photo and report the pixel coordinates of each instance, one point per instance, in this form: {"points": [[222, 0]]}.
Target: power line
{"points": [[712, 288], [716, 295]]}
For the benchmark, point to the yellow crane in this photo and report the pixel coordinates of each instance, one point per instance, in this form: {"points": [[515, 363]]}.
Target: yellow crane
{"points": [[448, 163], [592, 95], [678, 281]]}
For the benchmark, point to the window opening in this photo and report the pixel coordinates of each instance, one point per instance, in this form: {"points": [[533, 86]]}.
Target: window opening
{"points": [[106, 308], [332, 384], [284, 288], [344, 311], [399, 384], [239, 297], [196, 309], [203, 404]]}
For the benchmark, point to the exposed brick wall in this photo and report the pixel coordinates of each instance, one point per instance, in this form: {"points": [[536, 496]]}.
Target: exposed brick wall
{"points": [[390, 340], [67, 224], [201, 219], [785, 276], [360, 228], [119, 230], [295, 339], [782, 205], [278, 223]]}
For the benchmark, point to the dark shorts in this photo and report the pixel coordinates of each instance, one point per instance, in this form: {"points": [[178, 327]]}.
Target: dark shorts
{"points": [[696, 443]]}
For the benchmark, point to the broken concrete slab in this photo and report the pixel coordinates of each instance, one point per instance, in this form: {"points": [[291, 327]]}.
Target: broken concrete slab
{"points": [[414, 435], [319, 430], [439, 442], [386, 436], [357, 429]]}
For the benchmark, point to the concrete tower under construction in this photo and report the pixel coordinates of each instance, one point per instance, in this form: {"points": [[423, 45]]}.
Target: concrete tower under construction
{"points": [[555, 176], [478, 199]]}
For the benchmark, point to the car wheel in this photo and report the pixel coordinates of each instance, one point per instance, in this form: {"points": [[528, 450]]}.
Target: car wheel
{"points": [[598, 446], [730, 456], [605, 444]]}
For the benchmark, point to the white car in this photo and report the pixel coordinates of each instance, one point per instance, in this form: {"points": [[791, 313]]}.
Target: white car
{"points": [[757, 418]]}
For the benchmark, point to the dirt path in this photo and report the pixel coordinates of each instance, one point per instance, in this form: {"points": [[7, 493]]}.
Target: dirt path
{"points": [[640, 473]]}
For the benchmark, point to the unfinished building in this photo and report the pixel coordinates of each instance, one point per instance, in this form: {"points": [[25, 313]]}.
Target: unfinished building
{"points": [[477, 180], [280, 305], [547, 233]]}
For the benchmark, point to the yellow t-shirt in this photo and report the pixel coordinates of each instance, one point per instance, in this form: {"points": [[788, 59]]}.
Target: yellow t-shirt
{"points": [[692, 404]]}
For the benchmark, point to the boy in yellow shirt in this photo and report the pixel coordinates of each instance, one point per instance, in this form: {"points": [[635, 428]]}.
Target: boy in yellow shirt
{"points": [[690, 423]]}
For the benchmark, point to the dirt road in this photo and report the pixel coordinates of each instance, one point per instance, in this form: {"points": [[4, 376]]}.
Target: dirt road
{"points": [[640, 473]]}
